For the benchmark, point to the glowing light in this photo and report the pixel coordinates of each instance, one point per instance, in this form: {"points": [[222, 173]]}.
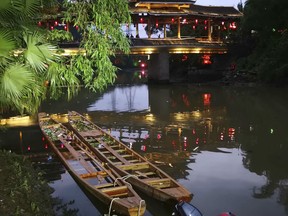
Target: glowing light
{"points": [[196, 21], [143, 148], [206, 59], [52, 27], [206, 99], [29, 148], [56, 23], [222, 137], [232, 25]]}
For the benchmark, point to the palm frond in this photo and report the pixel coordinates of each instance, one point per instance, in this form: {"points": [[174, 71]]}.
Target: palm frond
{"points": [[9, 11], [37, 53], [31, 7], [7, 43], [15, 81]]}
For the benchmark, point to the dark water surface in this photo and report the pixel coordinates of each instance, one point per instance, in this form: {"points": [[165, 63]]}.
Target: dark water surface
{"points": [[227, 145]]}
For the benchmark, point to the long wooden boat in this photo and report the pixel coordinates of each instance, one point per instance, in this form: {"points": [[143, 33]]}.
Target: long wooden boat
{"points": [[130, 165], [89, 171]]}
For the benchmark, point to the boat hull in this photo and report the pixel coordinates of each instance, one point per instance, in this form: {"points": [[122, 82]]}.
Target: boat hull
{"points": [[130, 204]]}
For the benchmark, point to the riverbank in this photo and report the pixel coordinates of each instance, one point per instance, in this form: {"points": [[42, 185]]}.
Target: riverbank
{"points": [[23, 191]]}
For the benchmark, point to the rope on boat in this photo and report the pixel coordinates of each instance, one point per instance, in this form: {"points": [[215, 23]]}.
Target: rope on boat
{"points": [[139, 209], [124, 179], [110, 207]]}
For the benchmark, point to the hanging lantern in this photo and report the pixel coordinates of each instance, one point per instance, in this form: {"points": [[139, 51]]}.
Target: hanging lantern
{"points": [[232, 25], [173, 20], [65, 27], [51, 27], [39, 23], [141, 20], [56, 23], [76, 27], [194, 27], [196, 21]]}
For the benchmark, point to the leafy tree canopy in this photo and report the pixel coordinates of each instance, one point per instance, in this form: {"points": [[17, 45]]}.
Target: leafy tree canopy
{"points": [[99, 23], [265, 24], [31, 69]]}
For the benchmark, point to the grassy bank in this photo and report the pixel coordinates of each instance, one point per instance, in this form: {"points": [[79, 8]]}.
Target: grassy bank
{"points": [[23, 191]]}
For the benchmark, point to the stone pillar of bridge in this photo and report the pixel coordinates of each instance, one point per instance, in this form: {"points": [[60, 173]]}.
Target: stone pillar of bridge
{"points": [[209, 30], [149, 27], [178, 28], [158, 67]]}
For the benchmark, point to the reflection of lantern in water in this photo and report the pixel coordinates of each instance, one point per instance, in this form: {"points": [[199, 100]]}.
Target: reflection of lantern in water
{"points": [[221, 136], [206, 99], [231, 133], [143, 148], [158, 136], [185, 143], [206, 59]]}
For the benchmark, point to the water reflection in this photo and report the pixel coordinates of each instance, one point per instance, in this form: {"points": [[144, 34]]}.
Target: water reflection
{"points": [[229, 146], [123, 99]]}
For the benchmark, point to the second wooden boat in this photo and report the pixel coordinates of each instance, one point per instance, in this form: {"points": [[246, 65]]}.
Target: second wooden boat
{"points": [[130, 165], [89, 171]]}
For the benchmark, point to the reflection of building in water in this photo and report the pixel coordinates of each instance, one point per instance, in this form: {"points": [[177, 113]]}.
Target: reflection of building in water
{"points": [[123, 99]]}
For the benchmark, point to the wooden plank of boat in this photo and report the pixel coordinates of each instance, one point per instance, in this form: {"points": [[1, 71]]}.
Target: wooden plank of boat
{"points": [[127, 163], [89, 171]]}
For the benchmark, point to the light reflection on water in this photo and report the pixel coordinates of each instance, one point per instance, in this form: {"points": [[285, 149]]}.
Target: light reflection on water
{"points": [[227, 145]]}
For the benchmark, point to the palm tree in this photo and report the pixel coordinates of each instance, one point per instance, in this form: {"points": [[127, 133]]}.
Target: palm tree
{"points": [[27, 61], [24, 57]]}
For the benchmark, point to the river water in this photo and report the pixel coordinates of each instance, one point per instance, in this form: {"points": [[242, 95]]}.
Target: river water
{"points": [[227, 145]]}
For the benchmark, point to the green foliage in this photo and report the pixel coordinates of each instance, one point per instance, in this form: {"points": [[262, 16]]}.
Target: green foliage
{"points": [[102, 37], [59, 35], [23, 190], [265, 24]]}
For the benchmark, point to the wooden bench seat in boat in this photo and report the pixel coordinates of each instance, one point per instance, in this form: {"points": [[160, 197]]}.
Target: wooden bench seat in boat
{"points": [[159, 183], [116, 191]]}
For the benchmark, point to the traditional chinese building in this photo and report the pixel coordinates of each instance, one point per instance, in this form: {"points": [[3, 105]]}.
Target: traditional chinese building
{"points": [[205, 21]]}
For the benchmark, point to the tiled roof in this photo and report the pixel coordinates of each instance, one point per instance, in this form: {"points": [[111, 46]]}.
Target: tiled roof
{"points": [[194, 10], [220, 10], [167, 1]]}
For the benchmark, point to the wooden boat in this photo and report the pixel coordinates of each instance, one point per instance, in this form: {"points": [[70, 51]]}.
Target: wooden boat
{"points": [[130, 165], [89, 171]]}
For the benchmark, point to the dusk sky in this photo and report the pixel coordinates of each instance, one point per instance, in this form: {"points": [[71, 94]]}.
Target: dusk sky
{"points": [[232, 3]]}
